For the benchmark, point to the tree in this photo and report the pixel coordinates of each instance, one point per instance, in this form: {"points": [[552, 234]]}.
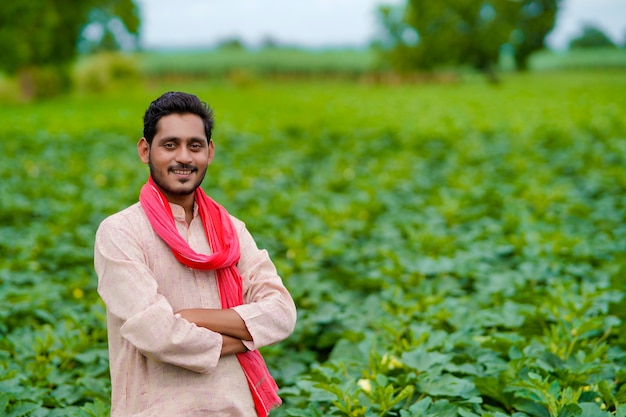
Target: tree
{"points": [[534, 20], [39, 38], [591, 37], [232, 44], [427, 34]]}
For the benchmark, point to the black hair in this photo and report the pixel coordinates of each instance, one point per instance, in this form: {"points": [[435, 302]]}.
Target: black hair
{"points": [[174, 102]]}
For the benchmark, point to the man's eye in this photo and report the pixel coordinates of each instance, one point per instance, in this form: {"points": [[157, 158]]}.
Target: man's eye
{"points": [[169, 145]]}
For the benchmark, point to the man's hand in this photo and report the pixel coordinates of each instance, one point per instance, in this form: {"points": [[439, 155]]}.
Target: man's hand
{"points": [[232, 345]]}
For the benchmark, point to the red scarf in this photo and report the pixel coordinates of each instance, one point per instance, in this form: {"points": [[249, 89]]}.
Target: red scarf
{"points": [[224, 243]]}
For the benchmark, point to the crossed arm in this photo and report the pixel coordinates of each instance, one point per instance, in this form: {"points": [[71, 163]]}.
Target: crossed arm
{"points": [[224, 321]]}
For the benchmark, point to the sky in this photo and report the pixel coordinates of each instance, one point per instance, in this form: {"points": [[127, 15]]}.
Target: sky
{"points": [[322, 23]]}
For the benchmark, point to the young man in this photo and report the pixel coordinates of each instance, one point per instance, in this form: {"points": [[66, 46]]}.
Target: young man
{"points": [[189, 296]]}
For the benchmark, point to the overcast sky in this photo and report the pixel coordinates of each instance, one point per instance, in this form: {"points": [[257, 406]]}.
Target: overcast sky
{"points": [[321, 23]]}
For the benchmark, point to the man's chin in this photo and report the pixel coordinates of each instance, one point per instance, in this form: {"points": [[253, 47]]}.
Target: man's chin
{"points": [[183, 190], [178, 188]]}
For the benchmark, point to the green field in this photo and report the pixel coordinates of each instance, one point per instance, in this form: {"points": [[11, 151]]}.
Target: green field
{"points": [[245, 66], [453, 249], [346, 64], [263, 62]]}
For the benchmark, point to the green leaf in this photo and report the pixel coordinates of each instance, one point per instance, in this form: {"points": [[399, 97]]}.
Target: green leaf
{"points": [[423, 361], [570, 410], [554, 389], [309, 412], [592, 410], [531, 408], [463, 412], [493, 388], [11, 386], [67, 394], [620, 397], [419, 408], [448, 385], [97, 408], [22, 408], [5, 399], [442, 408]]}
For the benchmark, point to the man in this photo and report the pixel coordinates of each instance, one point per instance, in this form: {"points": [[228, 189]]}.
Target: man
{"points": [[189, 296]]}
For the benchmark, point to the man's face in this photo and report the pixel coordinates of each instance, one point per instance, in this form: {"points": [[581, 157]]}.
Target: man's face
{"points": [[178, 157]]}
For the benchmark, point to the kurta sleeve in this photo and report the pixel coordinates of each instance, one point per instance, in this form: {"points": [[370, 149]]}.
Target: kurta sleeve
{"points": [[268, 310], [130, 292]]}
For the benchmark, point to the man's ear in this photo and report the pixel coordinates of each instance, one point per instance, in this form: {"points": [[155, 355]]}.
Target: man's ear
{"points": [[143, 149], [211, 151]]}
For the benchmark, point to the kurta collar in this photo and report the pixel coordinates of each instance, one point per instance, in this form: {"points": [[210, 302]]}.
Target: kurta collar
{"points": [[179, 211]]}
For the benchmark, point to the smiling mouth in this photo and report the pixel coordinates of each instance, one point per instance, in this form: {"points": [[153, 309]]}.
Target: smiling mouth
{"points": [[182, 171]]}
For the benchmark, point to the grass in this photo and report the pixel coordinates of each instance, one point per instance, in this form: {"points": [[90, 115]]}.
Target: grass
{"points": [[272, 61], [347, 63], [579, 59]]}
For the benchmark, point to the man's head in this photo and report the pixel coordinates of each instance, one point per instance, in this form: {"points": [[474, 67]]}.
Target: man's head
{"points": [[177, 145]]}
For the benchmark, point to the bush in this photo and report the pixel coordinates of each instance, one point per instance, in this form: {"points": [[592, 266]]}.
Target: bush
{"points": [[43, 81], [105, 71]]}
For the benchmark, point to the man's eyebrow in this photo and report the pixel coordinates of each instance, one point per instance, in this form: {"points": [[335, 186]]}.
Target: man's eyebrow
{"points": [[178, 139], [168, 138]]}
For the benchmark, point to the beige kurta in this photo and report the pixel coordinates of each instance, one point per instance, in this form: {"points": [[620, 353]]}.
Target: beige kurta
{"points": [[161, 364]]}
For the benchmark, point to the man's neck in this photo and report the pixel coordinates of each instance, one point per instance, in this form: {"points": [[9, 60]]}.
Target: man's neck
{"points": [[186, 202], [189, 212]]}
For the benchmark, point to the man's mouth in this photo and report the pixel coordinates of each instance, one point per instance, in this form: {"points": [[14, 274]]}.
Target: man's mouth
{"points": [[182, 171]]}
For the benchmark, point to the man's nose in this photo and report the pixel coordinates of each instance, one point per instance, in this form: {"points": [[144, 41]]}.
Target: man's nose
{"points": [[183, 155]]}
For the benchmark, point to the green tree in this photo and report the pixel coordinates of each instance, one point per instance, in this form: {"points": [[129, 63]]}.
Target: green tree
{"points": [[534, 20], [39, 38], [426, 34], [233, 44], [591, 37]]}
